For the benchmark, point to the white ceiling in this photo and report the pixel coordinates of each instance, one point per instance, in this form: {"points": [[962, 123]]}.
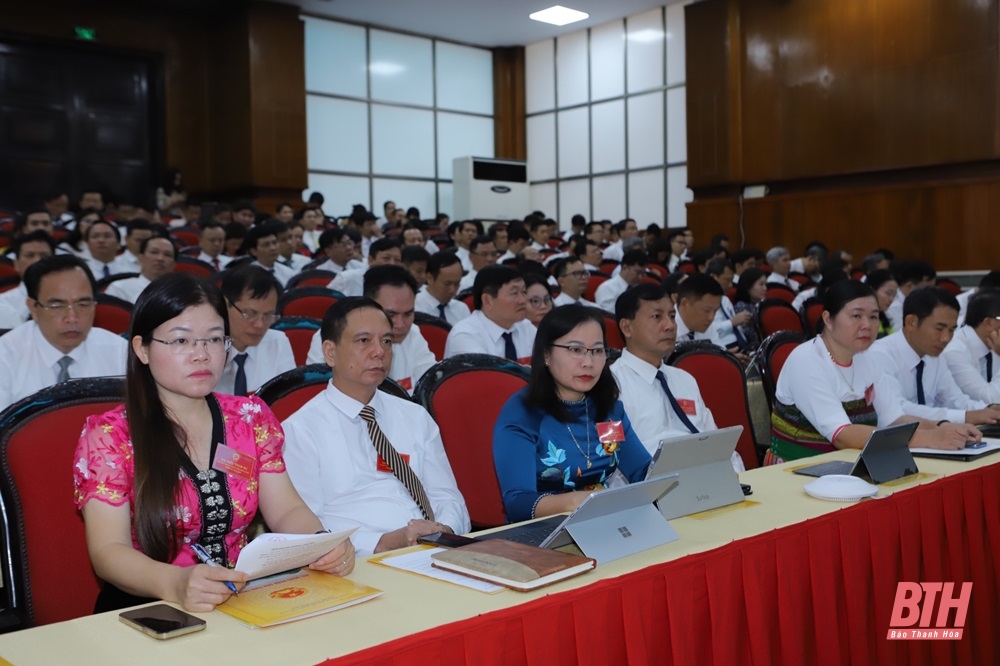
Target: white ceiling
{"points": [[477, 22]]}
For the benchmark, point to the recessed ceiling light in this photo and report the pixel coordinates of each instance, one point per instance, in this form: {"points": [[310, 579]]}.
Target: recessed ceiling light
{"points": [[559, 15]]}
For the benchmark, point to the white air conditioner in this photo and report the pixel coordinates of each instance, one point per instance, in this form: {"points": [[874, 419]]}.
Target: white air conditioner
{"points": [[490, 189]]}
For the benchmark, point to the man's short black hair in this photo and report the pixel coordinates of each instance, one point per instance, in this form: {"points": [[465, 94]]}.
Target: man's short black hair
{"points": [[56, 263], [245, 204], [390, 275], [490, 281], [914, 271], [137, 224], [211, 224], [335, 319], [744, 255], [717, 266], [635, 258], [414, 254], [145, 242], [36, 236], [255, 233], [441, 260], [990, 280], [482, 239], [330, 237], [102, 221], [627, 305], [381, 245], [561, 267], [517, 232], [697, 286], [922, 302], [248, 278], [985, 304]]}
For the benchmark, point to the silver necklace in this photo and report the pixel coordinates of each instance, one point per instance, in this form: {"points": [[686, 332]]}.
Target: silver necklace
{"points": [[586, 422], [850, 382]]}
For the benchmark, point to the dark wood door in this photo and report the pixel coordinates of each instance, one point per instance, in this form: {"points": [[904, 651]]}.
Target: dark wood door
{"points": [[71, 119]]}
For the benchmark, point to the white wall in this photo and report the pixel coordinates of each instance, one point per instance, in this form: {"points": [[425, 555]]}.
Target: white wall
{"points": [[386, 113], [606, 121]]}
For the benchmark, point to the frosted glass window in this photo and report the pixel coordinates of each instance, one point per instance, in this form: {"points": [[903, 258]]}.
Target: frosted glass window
{"points": [[607, 61], [571, 69], [336, 134], [543, 198], [540, 76], [607, 136], [340, 192], [464, 78], [645, 197], [446, 199], [460, 136], [678, 195], [645, 130], [676, 126], [541, 131], [335, 58], [609, 197], [645, 50], [574, 142], [400, 68], [675, 44], [406, 193], [574, 198], [402, 141]]}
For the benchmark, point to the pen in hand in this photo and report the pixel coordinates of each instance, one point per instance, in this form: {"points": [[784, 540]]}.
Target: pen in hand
{"points": [[207, 559]]}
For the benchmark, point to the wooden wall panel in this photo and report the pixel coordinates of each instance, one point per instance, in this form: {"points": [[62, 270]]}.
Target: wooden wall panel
{"points": [[509, 119], [708, 96]]}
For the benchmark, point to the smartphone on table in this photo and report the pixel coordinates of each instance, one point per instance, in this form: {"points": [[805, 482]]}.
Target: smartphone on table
{"points": [[162, 621], [446, 540]]}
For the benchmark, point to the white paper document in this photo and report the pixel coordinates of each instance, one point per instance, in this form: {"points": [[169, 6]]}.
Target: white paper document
{"points": [[272, 553], [419, 562], [991, 445]]}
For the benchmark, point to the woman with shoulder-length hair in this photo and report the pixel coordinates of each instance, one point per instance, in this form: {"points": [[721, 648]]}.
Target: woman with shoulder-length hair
{"points": [[566, 433], [179, 465]]}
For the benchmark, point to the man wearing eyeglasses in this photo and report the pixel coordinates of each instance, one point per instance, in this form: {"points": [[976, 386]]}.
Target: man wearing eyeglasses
{"points": [[339, 250], [259, 353], [573, 279], [482, 253], [59, 343]]}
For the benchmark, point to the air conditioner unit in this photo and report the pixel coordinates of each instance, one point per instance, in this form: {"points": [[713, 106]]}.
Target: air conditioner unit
{"points": [[490, 189]]}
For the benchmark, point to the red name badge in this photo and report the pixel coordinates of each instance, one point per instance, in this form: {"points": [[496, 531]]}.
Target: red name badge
{"points": [[233, 462], [406, 383], [610, 431], [687, 406], [383, 466], [524, 360]]}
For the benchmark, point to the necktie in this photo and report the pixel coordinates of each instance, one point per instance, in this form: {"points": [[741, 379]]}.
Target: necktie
{"points": [[396, 463], [64, 364], [441, 307], [287, 262], [690, 335], [989, 366], [920, 383], [673, 402], [509, 352], [106, 271], [215, 262], [240, 385]]}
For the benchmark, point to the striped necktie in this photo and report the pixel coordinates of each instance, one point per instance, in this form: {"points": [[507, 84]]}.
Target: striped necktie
{"points": [[399, 468]]}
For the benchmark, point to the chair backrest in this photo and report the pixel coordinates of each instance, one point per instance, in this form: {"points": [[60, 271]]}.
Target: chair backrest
{"points": [[774, 351], [686, 266], [779, 292], [188, 237], [949, 285], [103, 283], [112, 314], [311, 278], [448, 391], [287, 392], [299, 331], [613, 337], [187, 264], [8, 282], [435, 331], [47, 576], [8, 270], [723, 387], [812, 312], [307, 301], [775, 315], [593, 282]]}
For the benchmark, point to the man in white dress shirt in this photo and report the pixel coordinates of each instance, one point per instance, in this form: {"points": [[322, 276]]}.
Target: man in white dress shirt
{"points": [[540, 234], [332, 444], [780, 261], [498, 325], [917, 379], [482, 253], [626, 229], [311, 220], [661, 401], [60, 342], [28, 249], [339, 250], [136, 233], [384, 252], [156, 259], [573, 279], [910, 275], [678, 248], [632, 268], [518, 239], [989, 281], [437, 298], [370, 232], [698, 299], [726, 327], [261, 243], [462, 234], [588, 252], [259, 352], [212, 241], [972, 354], [414, 259], [104, 240]]}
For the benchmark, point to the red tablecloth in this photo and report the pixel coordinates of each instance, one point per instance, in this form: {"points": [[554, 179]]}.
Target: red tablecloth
{"points": [[819, 592]]}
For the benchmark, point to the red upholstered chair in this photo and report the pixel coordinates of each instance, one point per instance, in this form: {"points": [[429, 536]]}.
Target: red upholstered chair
{"points": [[47, 576], [187, 264], [608, 266], [103, 283], [299, 331], [775, 315], [723, 387], [307, 302], [780, 292], [812, 312], [187, 237], [466, 297], [773, 353], [7, 270], [287, 392], [800, 278], [435, 331], [311, 278], [8, 282], [445, 391], [612, 335], [593, 282], [112, 314], [686, 266], [658, 269], [949, 285]]}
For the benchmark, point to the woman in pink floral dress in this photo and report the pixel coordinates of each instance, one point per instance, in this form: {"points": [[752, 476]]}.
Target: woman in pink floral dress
{"points": [[179, 464]]}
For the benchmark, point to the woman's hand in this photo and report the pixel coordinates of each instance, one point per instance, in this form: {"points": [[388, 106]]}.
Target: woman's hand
{"points": [[201, 588], [339, 561]]}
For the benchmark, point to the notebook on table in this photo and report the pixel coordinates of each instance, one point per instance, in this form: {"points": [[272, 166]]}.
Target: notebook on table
{"points": [[885, 457], [971, 452]]}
